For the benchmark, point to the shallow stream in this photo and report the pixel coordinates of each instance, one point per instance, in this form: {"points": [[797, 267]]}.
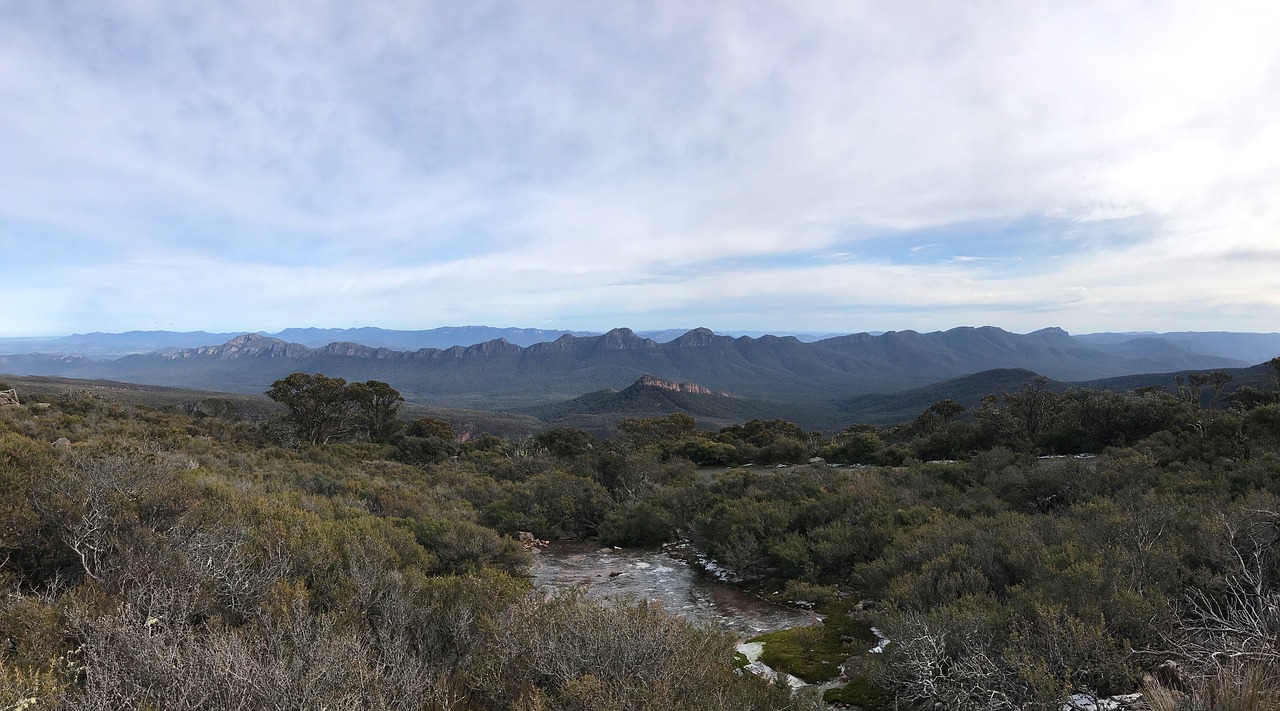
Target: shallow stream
{"points": [[655, 576]]}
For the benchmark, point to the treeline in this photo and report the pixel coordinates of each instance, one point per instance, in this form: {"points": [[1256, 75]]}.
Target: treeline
{"points": [[202, 562]]}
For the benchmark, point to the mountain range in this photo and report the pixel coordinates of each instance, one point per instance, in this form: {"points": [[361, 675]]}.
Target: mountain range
{"points": [[1248, 347], [818, 382], [106, 346]]}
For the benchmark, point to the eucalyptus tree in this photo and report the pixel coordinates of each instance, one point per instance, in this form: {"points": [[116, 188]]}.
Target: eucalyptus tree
{"points": [[325, 409]]}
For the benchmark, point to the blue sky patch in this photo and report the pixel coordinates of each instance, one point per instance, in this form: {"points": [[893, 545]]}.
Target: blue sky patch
{"points": [[1027, 244]]}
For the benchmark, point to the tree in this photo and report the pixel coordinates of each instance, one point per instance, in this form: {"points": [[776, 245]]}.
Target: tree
{"points": [[565, 442], [325, 409], [763, 433], [662, 430], [426, 440], [857, 444], [937, 415], [1191, 388], [768, 441], [377, 408], [1218, 380], [1020, 419], [319, 406], [431, 427]]}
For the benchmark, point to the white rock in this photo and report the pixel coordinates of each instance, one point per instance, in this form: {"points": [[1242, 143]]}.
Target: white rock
{"points": [[1089, 702]]}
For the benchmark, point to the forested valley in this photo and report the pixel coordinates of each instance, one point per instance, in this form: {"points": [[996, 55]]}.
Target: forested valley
{"points": [[1042, 545]]}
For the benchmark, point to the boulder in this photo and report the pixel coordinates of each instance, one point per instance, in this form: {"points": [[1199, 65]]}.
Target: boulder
{"points": [[530, 541]]}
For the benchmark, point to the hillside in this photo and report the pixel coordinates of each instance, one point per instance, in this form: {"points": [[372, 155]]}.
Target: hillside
{"points": [[599, 412], [891, 408], [1255, 376], [250, 407]]}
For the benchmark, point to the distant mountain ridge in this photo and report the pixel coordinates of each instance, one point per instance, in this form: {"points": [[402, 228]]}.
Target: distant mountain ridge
{"points": [[115, 345], [498, 374], [106, 346], [1248, 348], [1242, 348], [592, 381]]}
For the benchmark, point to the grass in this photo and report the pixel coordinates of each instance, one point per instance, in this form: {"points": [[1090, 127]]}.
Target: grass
{"points": [[1248, 688]]}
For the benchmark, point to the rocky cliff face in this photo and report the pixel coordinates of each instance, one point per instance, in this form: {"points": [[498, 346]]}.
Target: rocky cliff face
{"points": [[653, 381]]}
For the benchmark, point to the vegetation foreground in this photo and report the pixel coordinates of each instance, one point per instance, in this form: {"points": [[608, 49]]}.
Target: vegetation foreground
{"points": [[185, 558]]}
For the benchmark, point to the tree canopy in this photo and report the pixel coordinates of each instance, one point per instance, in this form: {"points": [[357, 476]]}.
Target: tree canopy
{"points": [[325, 409]]}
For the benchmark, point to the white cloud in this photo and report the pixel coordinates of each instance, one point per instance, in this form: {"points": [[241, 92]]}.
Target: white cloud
{"points": [[415, 163]]}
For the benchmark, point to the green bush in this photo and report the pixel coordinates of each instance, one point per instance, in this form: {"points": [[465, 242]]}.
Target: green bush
{"points": [[797, 592], [637, 523]]}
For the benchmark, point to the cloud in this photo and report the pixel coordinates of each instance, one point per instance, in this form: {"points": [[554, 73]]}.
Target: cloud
{"points": [[862, 165]]}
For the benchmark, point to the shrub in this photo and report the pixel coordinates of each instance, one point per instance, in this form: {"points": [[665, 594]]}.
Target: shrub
{"points": [[637, 523], [798, 592]]}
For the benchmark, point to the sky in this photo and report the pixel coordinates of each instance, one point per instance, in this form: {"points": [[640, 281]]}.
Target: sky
{"points": [[788, 166]]}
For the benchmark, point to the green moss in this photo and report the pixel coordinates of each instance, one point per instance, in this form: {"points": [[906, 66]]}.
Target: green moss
{"points": [[858, 692], [815, 653]]}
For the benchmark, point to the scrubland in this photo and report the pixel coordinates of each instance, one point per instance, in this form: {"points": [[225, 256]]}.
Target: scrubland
{"points": [[184, 558]]}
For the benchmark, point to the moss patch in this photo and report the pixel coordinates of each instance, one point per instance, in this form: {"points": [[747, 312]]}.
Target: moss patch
{"points": [[858, 692], [815, 653]]}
